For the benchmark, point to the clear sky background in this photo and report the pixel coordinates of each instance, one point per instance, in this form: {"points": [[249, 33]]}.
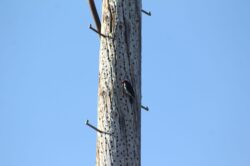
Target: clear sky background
{"points": [[195, 79]]}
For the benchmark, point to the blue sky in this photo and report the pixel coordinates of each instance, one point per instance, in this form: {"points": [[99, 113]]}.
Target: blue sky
{"points": [[195, 79]]}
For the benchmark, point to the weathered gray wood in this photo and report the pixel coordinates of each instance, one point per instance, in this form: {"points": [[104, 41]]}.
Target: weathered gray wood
{"points": [[120, 58]]}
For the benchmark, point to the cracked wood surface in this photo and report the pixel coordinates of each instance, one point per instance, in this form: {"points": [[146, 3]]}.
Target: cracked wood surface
{"points": [[120, 58]]}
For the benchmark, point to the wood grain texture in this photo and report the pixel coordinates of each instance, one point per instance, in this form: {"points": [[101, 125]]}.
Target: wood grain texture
{"points": [[120, 58]]}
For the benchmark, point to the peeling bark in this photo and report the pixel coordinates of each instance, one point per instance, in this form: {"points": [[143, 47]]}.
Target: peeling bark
{"points": [[120, 58]]}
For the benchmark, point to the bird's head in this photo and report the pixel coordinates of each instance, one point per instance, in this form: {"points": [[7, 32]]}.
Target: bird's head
{"points": [[124, 81]]}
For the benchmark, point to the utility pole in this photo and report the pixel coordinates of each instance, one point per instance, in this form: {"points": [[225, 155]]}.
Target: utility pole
{"points": [[119, 89]]}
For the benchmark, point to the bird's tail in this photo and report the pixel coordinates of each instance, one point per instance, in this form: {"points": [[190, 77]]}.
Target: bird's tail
{"points": [[131, 99]]}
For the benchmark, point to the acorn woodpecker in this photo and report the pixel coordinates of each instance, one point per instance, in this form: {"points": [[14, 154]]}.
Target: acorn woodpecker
{"points": [[128, 90]]}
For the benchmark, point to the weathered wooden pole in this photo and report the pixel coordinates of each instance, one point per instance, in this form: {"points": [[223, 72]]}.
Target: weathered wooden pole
{"points": [[119, 115]]}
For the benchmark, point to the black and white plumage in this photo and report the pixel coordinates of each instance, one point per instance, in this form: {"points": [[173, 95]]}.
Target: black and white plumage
{"points": [[128, 90]]}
